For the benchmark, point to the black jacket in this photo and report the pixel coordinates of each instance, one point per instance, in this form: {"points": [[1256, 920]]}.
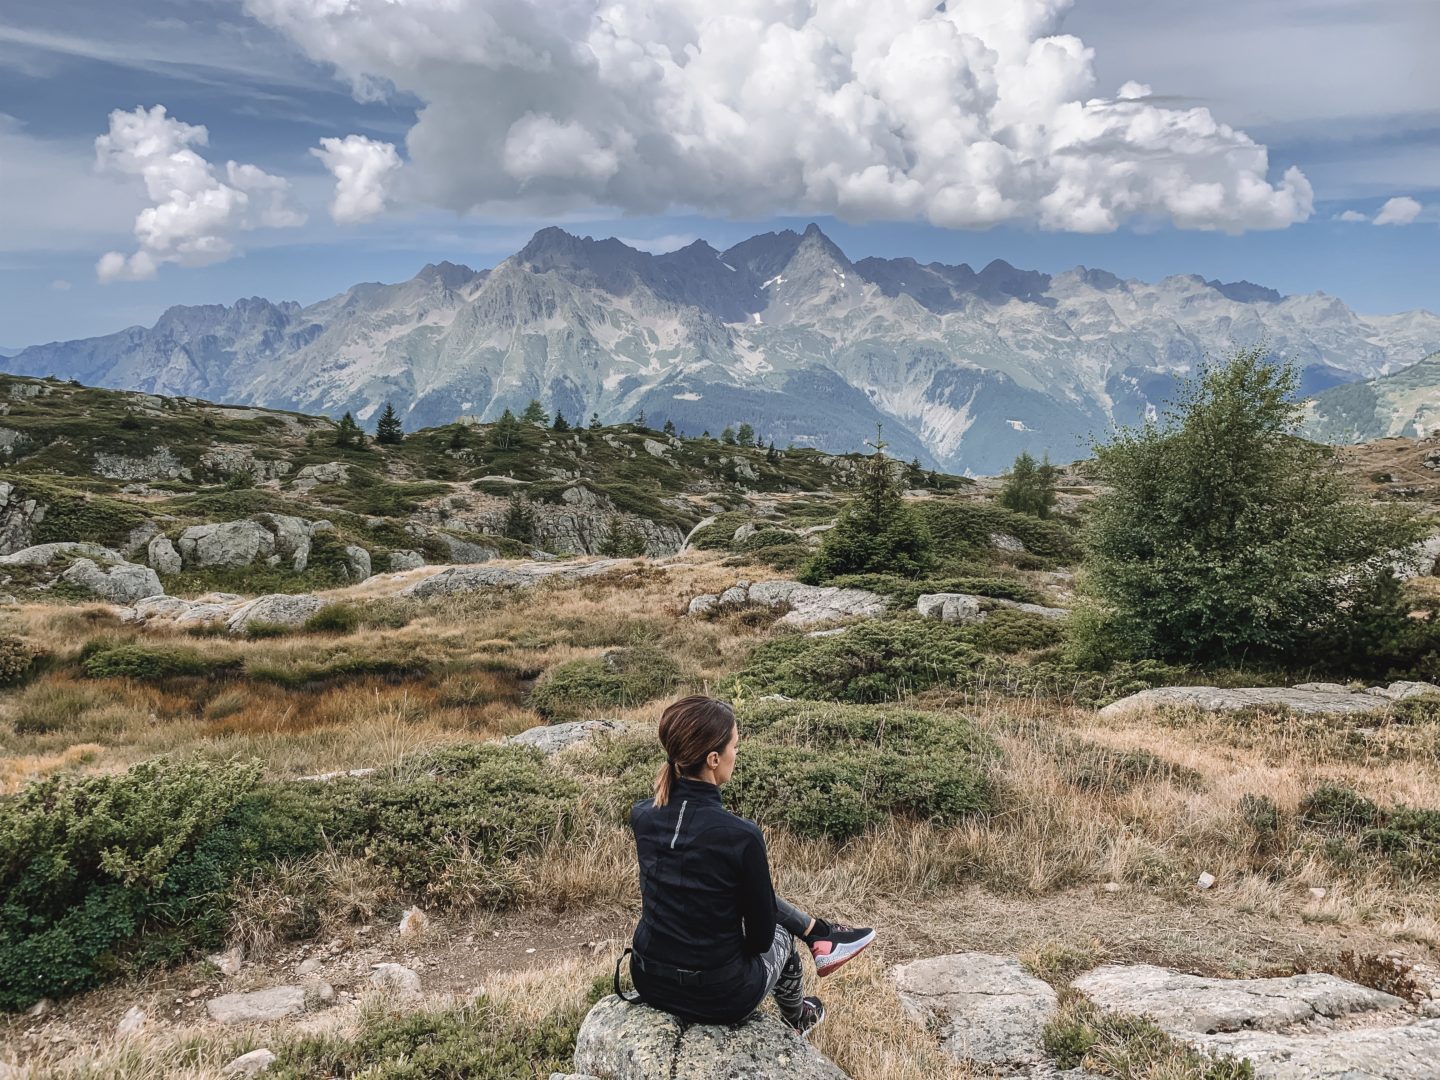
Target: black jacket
{"points": [[708, 904]]}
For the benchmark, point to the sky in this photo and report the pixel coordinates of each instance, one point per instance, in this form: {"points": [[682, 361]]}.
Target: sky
{"points": [[163, 152]]}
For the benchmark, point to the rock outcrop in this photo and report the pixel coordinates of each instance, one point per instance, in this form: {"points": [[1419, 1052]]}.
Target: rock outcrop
{"points": [[464, 579], [985, 1009], [160, 464], [18, 518], [121, 583], [257, 1006], [803, 605], [552, 738], [226, 543], [1310, 698], [967, 608], [311, 476], [276, 609], [160, 553], [619, 1041], [1296, 1028]]}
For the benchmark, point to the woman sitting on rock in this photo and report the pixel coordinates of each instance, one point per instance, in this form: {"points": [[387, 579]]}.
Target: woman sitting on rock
{"points": [[713, 938]]}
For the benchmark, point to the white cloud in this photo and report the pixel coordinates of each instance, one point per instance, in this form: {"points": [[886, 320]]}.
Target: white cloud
{"points": [[1401, 210], [967, 114], [194, 213], [1351, 215], [363, 169]]}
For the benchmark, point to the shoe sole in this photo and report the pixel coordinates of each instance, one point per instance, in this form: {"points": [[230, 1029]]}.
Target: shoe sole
{"points": [[806, 1033], [855, 950]]}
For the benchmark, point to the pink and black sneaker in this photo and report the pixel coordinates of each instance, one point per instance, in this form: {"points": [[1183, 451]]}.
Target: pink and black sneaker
{"points": [[838, 946], [812, 1011]]}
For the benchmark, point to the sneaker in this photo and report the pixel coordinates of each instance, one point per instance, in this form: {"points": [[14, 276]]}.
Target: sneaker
{"points": [[840, 946], [812, 1011]]}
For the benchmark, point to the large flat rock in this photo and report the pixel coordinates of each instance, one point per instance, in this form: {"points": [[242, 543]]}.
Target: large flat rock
{"points": [[464, 579], [619, 1041], [1409, 1052], [986, 1009], [1310, 698], [258, 1006], [803, 605]]}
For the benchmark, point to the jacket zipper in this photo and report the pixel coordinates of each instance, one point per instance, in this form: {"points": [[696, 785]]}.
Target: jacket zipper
{"points": [[678, 822]]}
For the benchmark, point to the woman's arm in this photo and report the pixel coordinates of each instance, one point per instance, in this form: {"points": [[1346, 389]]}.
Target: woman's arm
{"points": [[757, 896]]}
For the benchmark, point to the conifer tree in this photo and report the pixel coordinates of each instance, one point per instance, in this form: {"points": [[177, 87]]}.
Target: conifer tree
{"points": [[745, 436], [728, 436], [535, 414], [669, 427], [388, 429], [519, 519], [772, 455], [348, 433], [1030, 486], [560, 424], [594, 420], [506, 432]]}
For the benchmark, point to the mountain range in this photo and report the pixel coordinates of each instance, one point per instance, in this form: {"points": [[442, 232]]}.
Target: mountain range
{"points": [[964, 368]]}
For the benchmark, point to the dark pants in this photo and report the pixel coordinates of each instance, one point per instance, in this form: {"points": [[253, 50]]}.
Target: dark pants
{"points": [[782, 963]]}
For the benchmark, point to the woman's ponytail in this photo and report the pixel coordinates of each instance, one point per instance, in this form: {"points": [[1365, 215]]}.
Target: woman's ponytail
{"points": [[690, 729]]}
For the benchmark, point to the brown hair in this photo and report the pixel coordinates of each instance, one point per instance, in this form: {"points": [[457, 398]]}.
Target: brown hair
{"points": [[690, 729]]}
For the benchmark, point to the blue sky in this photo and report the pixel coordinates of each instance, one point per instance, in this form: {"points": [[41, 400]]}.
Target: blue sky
{"points": [[1342, 91]]}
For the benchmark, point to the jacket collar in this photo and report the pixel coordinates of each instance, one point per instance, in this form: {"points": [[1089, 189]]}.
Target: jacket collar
{"points": [[697, 790]]}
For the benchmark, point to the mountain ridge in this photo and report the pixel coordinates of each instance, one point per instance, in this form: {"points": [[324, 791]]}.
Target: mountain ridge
{"points": [[783, 330]]}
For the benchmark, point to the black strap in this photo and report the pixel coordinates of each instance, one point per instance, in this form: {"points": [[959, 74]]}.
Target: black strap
{"points": [[621, 993], [686, 976]]}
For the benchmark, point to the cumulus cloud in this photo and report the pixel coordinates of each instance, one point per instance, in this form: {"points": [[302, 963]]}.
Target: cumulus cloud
{"points": [[966, 114], [1351, 215], [194, 212], [363, 169], [1401, 210]]}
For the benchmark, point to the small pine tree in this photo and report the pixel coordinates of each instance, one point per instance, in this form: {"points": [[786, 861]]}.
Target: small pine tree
{"points": [[519, 522], [772, 455], [594, 420], [388, 429], [458, 435], [705, 434], [348, 433], [877, 532], [506, 432], [640, 419], [728, 436], [621, 539], [745, 436], [669, 427], [1030, 486], [560, 424], [535, 414]]}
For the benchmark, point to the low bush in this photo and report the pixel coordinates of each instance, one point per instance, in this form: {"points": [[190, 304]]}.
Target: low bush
{"points": [[1408, 836], [89, 864], [620, 678], [139, 661], [875, 661], [962, 532], [259, 630], [1104, 769], [831, 771], [1006, 630], [1130, 1047], [480, 1040], [333, 619], [16, 657]]}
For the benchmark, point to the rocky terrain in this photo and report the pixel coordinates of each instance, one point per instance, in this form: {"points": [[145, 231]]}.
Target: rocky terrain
{"points": [[965, 368]]}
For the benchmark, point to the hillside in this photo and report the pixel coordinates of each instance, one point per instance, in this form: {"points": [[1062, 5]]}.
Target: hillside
{"points": [[965, 368], [1404, 402]]}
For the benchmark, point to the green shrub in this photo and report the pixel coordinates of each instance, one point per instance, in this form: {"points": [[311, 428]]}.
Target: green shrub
{"points": [[260, 630], [1408, 836], [1006, 630], [333, 619], [16, 657], [621, 678], [1130, 1047], [135, 661], [1104, 769], [875, 661], [962, 529], [479, 1040], [88, 864]]}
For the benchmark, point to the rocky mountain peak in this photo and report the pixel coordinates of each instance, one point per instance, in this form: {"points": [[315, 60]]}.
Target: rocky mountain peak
{"points": [[1246, 292], [448, 274]]}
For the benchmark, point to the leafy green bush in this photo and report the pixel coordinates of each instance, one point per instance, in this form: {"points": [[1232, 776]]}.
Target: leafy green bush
{"points": [[16, 657], [136, 661], [88, 864], [1006, 630], [620, 678], [333, 619], [962, 529], [875, 661]]}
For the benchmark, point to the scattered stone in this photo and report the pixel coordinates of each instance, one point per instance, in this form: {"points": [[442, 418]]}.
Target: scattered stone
{"points": [[258, 1006], [327, 777], [43, 1007], [332, 472], [1308, 698], [619, 1041], [132, 1022], [45, 554], [1205, 880], [1112, 886], [229, 961], [552, 738], [1004, 541], [413, 921], [744, 532], [160, 464], [162, 556], [251, 1064], [308, 967], [1410, 1052], [804, 605], [395, 977], [279, 609], [985, 1009], [406, 560], [357, 562], [1317, 893]]}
